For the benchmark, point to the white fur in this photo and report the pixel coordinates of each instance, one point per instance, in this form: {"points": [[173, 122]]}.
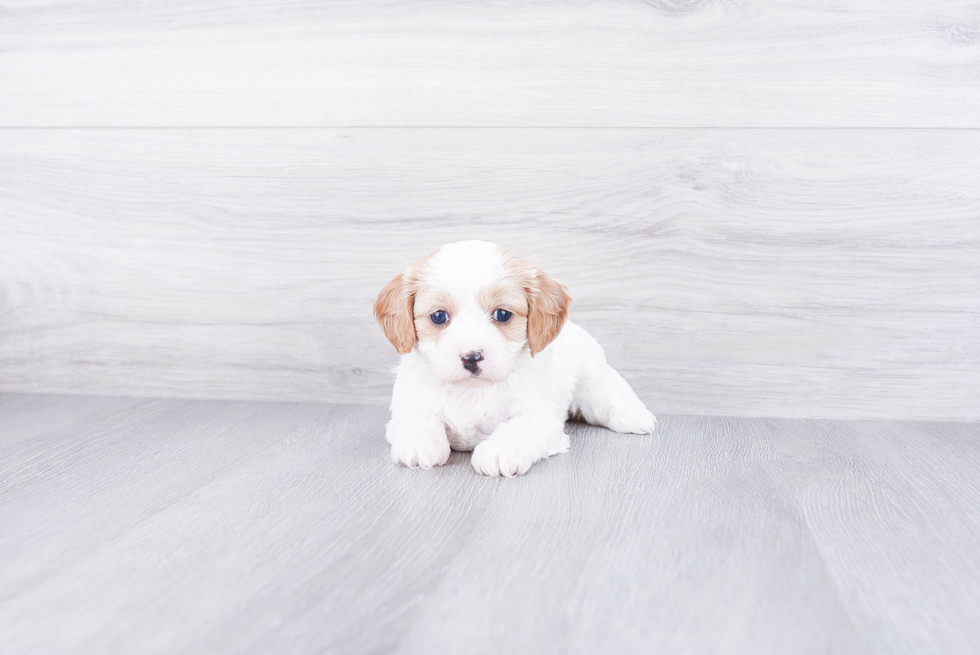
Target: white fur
{"points": [[513, 413]]}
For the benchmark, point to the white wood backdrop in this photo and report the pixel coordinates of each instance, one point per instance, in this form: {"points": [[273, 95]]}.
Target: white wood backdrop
{"points": [[735, 271], [828, 268], [760, 63]]}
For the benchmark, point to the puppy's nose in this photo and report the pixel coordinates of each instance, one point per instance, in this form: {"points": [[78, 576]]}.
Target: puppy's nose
{"points": [[471, 360]]}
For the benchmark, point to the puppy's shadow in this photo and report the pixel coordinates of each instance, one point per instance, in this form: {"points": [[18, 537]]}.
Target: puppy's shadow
{"points": [[458, 458]]}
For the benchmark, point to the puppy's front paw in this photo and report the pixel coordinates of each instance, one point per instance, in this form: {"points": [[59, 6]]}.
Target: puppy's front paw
{"points": [[421, 451], [501, 458], [632, 419]]}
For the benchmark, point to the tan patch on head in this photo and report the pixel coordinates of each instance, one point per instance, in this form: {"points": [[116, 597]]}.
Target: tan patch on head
{"points": [[538, 302], [509, 295], [395, 307], [393, 311], [427, 302], [547, 303]]}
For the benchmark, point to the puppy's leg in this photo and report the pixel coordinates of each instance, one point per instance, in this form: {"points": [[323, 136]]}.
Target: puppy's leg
{"points": [[416, 433], [604, 398], [520, 442], [418, 440]]}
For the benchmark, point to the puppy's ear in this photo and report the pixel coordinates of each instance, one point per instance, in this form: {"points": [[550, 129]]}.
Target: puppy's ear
{"points": [[548, 302], [394, 310]]}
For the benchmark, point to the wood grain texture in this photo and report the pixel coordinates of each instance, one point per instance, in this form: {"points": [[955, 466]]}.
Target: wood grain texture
{"points": [[204, 525], [681, 543], [657, 63], [821, 273], [164, 526], [895, 511]]}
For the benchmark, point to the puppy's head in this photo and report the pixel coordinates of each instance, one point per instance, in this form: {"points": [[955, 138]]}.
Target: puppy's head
{"points": [[472, 308]]}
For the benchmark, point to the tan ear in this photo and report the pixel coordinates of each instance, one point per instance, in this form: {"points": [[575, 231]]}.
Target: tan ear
{"points": [[548, 302], [394, 310]]}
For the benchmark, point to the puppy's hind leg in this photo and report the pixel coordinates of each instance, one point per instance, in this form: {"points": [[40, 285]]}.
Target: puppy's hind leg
{"points": [[604, 398]]}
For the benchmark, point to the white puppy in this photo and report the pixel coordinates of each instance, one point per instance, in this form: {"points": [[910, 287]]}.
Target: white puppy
{"points": [[489, 363]]}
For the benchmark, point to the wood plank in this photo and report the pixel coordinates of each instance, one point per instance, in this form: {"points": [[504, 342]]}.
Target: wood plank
{"points": [[66, 483], [224, 527], [811, 273], [895, 510], [29, 420], [203, 526], [689, 542], [216, 527], [655, 63]]}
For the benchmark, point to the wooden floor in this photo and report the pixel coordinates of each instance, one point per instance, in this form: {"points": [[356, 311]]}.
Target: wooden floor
{"points": [[176, 526]]}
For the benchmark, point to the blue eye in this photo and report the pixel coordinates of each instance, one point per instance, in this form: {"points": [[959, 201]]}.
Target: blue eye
{"points": [[501, 315], [439, 317]]}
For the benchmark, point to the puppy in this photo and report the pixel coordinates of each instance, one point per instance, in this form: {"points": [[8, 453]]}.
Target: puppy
{"points": [[490, 364]]}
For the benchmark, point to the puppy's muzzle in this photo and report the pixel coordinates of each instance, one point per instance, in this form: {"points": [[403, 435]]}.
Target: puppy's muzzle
{"points": [[471, 361]]}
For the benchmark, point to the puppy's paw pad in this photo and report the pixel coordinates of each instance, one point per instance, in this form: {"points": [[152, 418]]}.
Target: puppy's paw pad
{"points": [[420, 453], [496, 459], [633, 420]]}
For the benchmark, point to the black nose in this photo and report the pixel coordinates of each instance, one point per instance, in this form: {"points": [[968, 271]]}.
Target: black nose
{"points": [[471, 361]]}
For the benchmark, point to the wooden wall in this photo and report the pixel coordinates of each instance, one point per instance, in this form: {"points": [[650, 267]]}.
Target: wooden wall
{"points": [[761, 208]]}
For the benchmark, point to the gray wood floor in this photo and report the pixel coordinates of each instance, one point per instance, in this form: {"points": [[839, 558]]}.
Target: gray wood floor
{"points": [[177, 526]]}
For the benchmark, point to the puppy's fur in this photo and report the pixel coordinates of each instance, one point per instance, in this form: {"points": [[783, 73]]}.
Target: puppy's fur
{"points": [[525, 375]]}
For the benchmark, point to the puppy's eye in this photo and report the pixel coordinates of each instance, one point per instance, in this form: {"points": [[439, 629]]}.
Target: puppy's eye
{"points": [[439, 317], [501, 315]]}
